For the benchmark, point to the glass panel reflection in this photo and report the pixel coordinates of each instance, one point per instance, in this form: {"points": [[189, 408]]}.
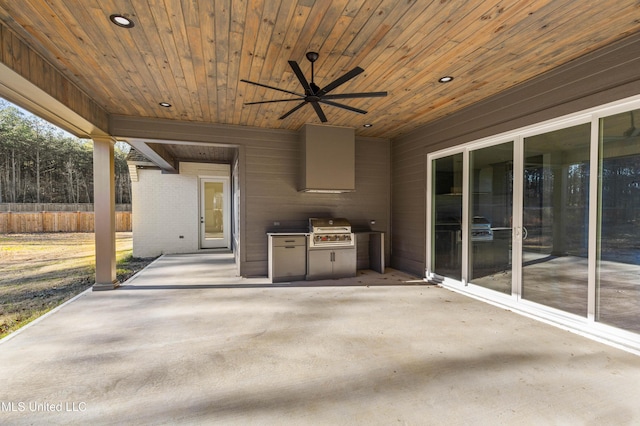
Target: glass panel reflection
{"points": [[447, 211], [618, 270], [213, 218], [491, 211], [556, 207]]}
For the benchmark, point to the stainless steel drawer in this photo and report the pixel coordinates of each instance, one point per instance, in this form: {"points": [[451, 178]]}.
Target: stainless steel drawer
{"points": [[289, 240]]}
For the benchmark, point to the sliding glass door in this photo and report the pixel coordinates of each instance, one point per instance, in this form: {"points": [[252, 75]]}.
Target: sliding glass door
{"points": [[618, 258], [556, 218], [490, 217], [446, 228], [546, 218]]}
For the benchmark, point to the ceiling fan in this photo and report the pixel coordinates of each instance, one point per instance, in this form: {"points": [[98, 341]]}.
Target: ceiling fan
{"points": [[315, 95]]}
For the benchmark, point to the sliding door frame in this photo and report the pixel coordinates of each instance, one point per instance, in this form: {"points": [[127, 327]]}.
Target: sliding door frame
{"points": [[583, 325]]}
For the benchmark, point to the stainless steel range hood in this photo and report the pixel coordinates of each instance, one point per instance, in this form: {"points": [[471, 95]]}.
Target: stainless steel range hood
{"points": [[328, 159]]}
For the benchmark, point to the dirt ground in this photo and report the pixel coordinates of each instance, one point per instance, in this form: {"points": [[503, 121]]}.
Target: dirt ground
{"points": [[40, 271]]}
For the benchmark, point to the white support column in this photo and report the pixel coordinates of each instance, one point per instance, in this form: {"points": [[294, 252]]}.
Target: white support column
{"points": [[104, 213]]}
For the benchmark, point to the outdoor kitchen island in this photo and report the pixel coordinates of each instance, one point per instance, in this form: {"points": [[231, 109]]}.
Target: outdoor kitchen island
{"points": [[327, 251]]}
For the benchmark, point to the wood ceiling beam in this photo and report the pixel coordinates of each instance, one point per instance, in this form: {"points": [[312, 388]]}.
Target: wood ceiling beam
{"points": [[156, 153]]}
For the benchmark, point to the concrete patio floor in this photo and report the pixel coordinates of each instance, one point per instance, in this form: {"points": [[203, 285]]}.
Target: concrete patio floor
{"points": [[185, 342]]}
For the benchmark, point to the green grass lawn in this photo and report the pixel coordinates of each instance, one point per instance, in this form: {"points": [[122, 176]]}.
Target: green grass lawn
{"points": [[40, 271]]}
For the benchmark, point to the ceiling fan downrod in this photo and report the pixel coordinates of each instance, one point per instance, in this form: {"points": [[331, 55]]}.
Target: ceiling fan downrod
{"points": [[313, 57]]}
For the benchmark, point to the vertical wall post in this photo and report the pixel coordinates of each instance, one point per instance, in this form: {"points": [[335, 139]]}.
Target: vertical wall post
{"points": [[104, 213]]}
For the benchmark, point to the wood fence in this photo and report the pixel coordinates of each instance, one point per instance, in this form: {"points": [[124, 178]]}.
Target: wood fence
{"points": [[22, 222], [55, 207]]}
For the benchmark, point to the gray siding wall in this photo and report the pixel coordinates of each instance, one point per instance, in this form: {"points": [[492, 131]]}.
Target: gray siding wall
{"points": [[271, 179], [269, 164], [607, 75]]}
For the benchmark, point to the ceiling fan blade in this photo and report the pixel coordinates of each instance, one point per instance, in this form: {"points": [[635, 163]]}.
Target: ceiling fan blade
{"points": [[343, 106], [303, 80], [271, 87], [319, 111], [340, 80], [275, 100], [294, 109], [356, 95]]}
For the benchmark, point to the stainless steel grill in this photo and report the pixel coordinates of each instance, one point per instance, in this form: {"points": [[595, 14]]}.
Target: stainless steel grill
{"points": [[327, 232]]}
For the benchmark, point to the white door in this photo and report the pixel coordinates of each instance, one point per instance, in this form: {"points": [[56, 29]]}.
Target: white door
{"points": [[215, 205]]}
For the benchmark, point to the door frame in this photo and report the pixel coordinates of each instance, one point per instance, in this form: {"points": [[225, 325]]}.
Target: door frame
{"points": [[225, 242]]}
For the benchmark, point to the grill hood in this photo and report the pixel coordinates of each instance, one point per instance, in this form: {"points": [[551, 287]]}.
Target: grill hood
{"points": [[338, 224], [328, 159]]}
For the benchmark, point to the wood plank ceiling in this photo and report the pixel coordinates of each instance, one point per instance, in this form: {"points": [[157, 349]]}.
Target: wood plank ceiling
{"points": [[193, 53]]}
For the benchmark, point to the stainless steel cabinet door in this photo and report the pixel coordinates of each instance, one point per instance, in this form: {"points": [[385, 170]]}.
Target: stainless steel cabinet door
{"points": [[344, 262], [320, 263], [289, 261]]}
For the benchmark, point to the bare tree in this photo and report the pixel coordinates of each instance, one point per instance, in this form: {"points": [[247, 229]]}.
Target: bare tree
{"points": [[39, 163]]}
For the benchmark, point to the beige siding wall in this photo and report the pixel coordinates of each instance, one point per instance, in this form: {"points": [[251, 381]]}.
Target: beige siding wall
{"points": [[595, 79]]}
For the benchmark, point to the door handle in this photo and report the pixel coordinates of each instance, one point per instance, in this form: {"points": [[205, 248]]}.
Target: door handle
{"points": [[519, 232]]}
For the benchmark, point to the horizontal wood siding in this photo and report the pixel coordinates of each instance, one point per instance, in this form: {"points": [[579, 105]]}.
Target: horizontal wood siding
{"points": [[271, 178], [269, 167], [603, 76], [408, 207], [11, 222]]}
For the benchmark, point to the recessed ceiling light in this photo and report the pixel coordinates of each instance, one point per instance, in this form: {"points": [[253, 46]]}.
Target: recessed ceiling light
{"points": [[121, 21], [367, 125], [445, 79], [165, 104]]}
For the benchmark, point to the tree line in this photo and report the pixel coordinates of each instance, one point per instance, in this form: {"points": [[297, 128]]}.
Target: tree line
{"points": [[39, 163]]}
